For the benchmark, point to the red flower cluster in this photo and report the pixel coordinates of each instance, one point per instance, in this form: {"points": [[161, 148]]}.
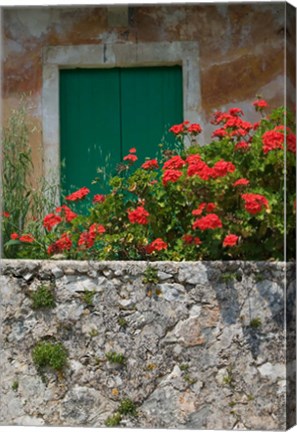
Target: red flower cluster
{"points": [[210, 221], [99, 198], [241, 182], [242, 145], [87, 238], [176, 162], [232, 124], [51, 220], [14, 236], [186, 127], [260, 104], [131, 157], [156, 245], [138, 216], [171, 176], [208, 207], [272, 140], [189, 239], [77, 195], [150, 164], [27, 238], [222, 168], [63, 243], [201, 169], [66, 212], [230, 240], [254, 203], [6, 214]]}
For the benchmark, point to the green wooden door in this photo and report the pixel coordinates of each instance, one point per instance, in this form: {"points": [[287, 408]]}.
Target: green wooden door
{"points": [[105, 112]]}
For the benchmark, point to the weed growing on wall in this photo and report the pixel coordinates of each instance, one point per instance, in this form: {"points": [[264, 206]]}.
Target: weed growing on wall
{"points": [[49, 354], [224, 200]]}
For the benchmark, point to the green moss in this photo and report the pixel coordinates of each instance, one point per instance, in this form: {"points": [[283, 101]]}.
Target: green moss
{"points": [[43, 298], [184, 367], [93, 333], [127, 407], [228, 277], [122, 322], [150, 275], [255, 323], [88, 297], [113, 420], [48, 354], [116, 358], [15, 386], [232, 404]]}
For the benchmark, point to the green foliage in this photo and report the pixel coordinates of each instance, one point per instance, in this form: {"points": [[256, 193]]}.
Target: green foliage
{"points": [[116, 358], [43, 298], [15, 386], [25, 199], [150, 275], [228, 277], [49, 354], [122, 322], [255, 323], [88, 297], [113, 420], [168, 229], [127, 407]]}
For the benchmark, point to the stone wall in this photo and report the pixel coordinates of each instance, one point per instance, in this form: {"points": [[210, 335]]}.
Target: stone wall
{"points": [[195, 345], [238, 56]]}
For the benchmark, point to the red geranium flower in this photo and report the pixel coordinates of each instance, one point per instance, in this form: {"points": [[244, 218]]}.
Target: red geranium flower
{"points": [[177, 129], [171, 175], [230, 240], [222, 168], [77, 195], [189, 239], [131, 158], [14, 236], [254, 203], [272, 140], [132, 150], [235, 111], [156, 245], [241, 182], [27, 238], [63, 243], [211, 221], [242, 145], [219, 133], [85, 240], [96, 229], [176, 162], [66, 212], [260, 104], [99, 198], [195, 128], [150, 164], [139, 216], [50, 220], [6, 214]]}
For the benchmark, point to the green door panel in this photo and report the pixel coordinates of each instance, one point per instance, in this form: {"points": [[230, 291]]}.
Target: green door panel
{"points": [[105, 112], [151, 102], [89, 125]]}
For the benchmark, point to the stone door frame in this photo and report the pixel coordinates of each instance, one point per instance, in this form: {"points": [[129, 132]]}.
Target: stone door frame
{"points": [[111, 55]]}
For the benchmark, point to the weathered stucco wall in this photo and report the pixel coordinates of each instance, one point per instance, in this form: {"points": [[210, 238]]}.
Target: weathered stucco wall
{"points": [[203, 346], [239, 57]]}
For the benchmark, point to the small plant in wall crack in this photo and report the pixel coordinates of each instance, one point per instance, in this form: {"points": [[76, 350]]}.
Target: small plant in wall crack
{"points": [[255, 323], [126, 408], [43, 298], [150, 275], [88, 297], [115, 358], [51, 355]]}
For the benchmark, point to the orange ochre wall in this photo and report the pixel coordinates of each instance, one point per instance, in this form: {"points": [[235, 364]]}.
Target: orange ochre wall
{"points": [[241, 49]]}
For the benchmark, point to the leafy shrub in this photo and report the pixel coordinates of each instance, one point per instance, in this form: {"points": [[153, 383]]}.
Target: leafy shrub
{"points": [[224, 200]]}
